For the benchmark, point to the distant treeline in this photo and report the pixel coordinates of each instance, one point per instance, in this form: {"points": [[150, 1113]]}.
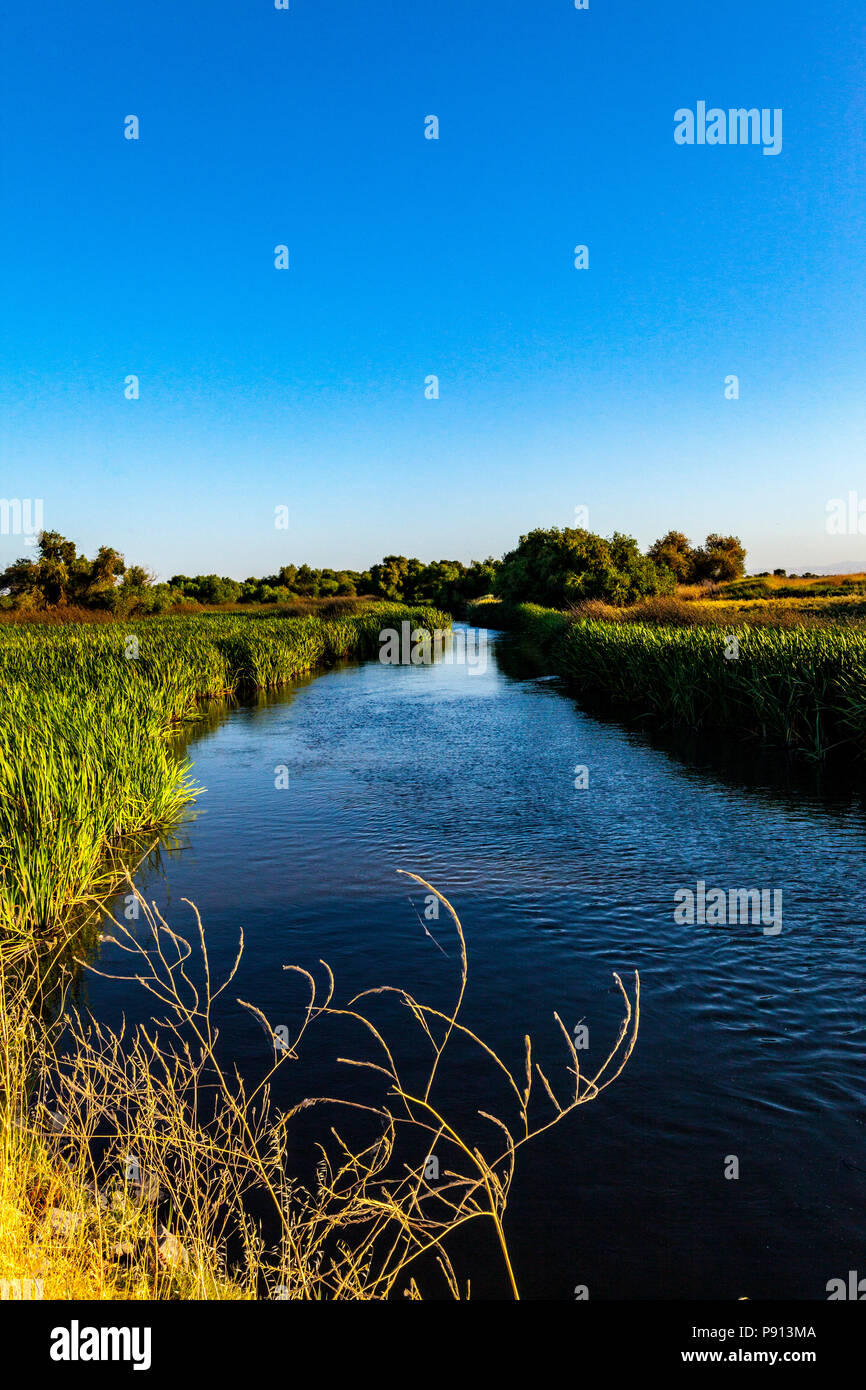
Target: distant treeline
{"points": [[554, 567], [445, 583]]}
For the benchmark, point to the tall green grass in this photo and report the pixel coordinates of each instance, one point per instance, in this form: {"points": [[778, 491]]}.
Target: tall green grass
{"points": [[87, 717], [799, 688]]}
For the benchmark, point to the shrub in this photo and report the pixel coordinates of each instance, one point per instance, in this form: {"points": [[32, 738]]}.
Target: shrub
{"points": [[560, 567]]}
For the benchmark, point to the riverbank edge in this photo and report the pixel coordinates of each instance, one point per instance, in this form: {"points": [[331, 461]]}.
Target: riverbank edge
{"points": [[241, 666], [799, 689], [40, 1179]]}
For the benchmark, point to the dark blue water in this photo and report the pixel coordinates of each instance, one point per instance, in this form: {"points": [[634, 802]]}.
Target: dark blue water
{"points": [[751, 1045]]}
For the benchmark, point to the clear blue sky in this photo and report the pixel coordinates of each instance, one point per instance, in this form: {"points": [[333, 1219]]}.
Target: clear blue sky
{"points": [[409, 257]]}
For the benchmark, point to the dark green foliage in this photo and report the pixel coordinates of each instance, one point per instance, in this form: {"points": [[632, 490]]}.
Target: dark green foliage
{"points": [[557, 568], [59, 576], [674, 551], [207, 588], [447, 583], [720, 558]]}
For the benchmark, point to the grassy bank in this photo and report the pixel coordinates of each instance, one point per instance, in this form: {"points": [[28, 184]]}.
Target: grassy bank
{"points": [[794, 687], [88, 726]]}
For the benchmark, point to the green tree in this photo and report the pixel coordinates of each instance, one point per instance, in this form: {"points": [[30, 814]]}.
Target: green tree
{"points": [[94, 580], [389, 578], [562, 566], [46, 580], [59, 575], [720, 558], [674, 550]]}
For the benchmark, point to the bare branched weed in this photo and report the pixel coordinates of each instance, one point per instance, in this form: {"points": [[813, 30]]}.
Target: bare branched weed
{"points": [[138, 1164]]}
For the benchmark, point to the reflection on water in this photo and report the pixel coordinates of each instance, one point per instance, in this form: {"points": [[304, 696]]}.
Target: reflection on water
{"points": [[751, 1045]]}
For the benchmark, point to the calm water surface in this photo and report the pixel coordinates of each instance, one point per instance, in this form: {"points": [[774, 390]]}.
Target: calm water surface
{"points": [[750, 1045]]}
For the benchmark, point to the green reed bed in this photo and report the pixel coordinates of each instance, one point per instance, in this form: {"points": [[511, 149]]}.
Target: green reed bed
{"points": [[88, 715], [802, 689]]}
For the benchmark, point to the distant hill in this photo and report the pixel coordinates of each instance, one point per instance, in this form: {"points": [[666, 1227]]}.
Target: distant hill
{"points": [[841, 567]]}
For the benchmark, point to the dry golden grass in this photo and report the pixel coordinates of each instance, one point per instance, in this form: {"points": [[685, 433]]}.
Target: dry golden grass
{"points": [[696, 607], [840, 582], [131, 1165]]}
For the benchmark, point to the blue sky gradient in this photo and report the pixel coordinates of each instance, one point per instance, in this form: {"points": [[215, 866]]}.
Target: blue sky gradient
{"points": [[559, 388]]}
